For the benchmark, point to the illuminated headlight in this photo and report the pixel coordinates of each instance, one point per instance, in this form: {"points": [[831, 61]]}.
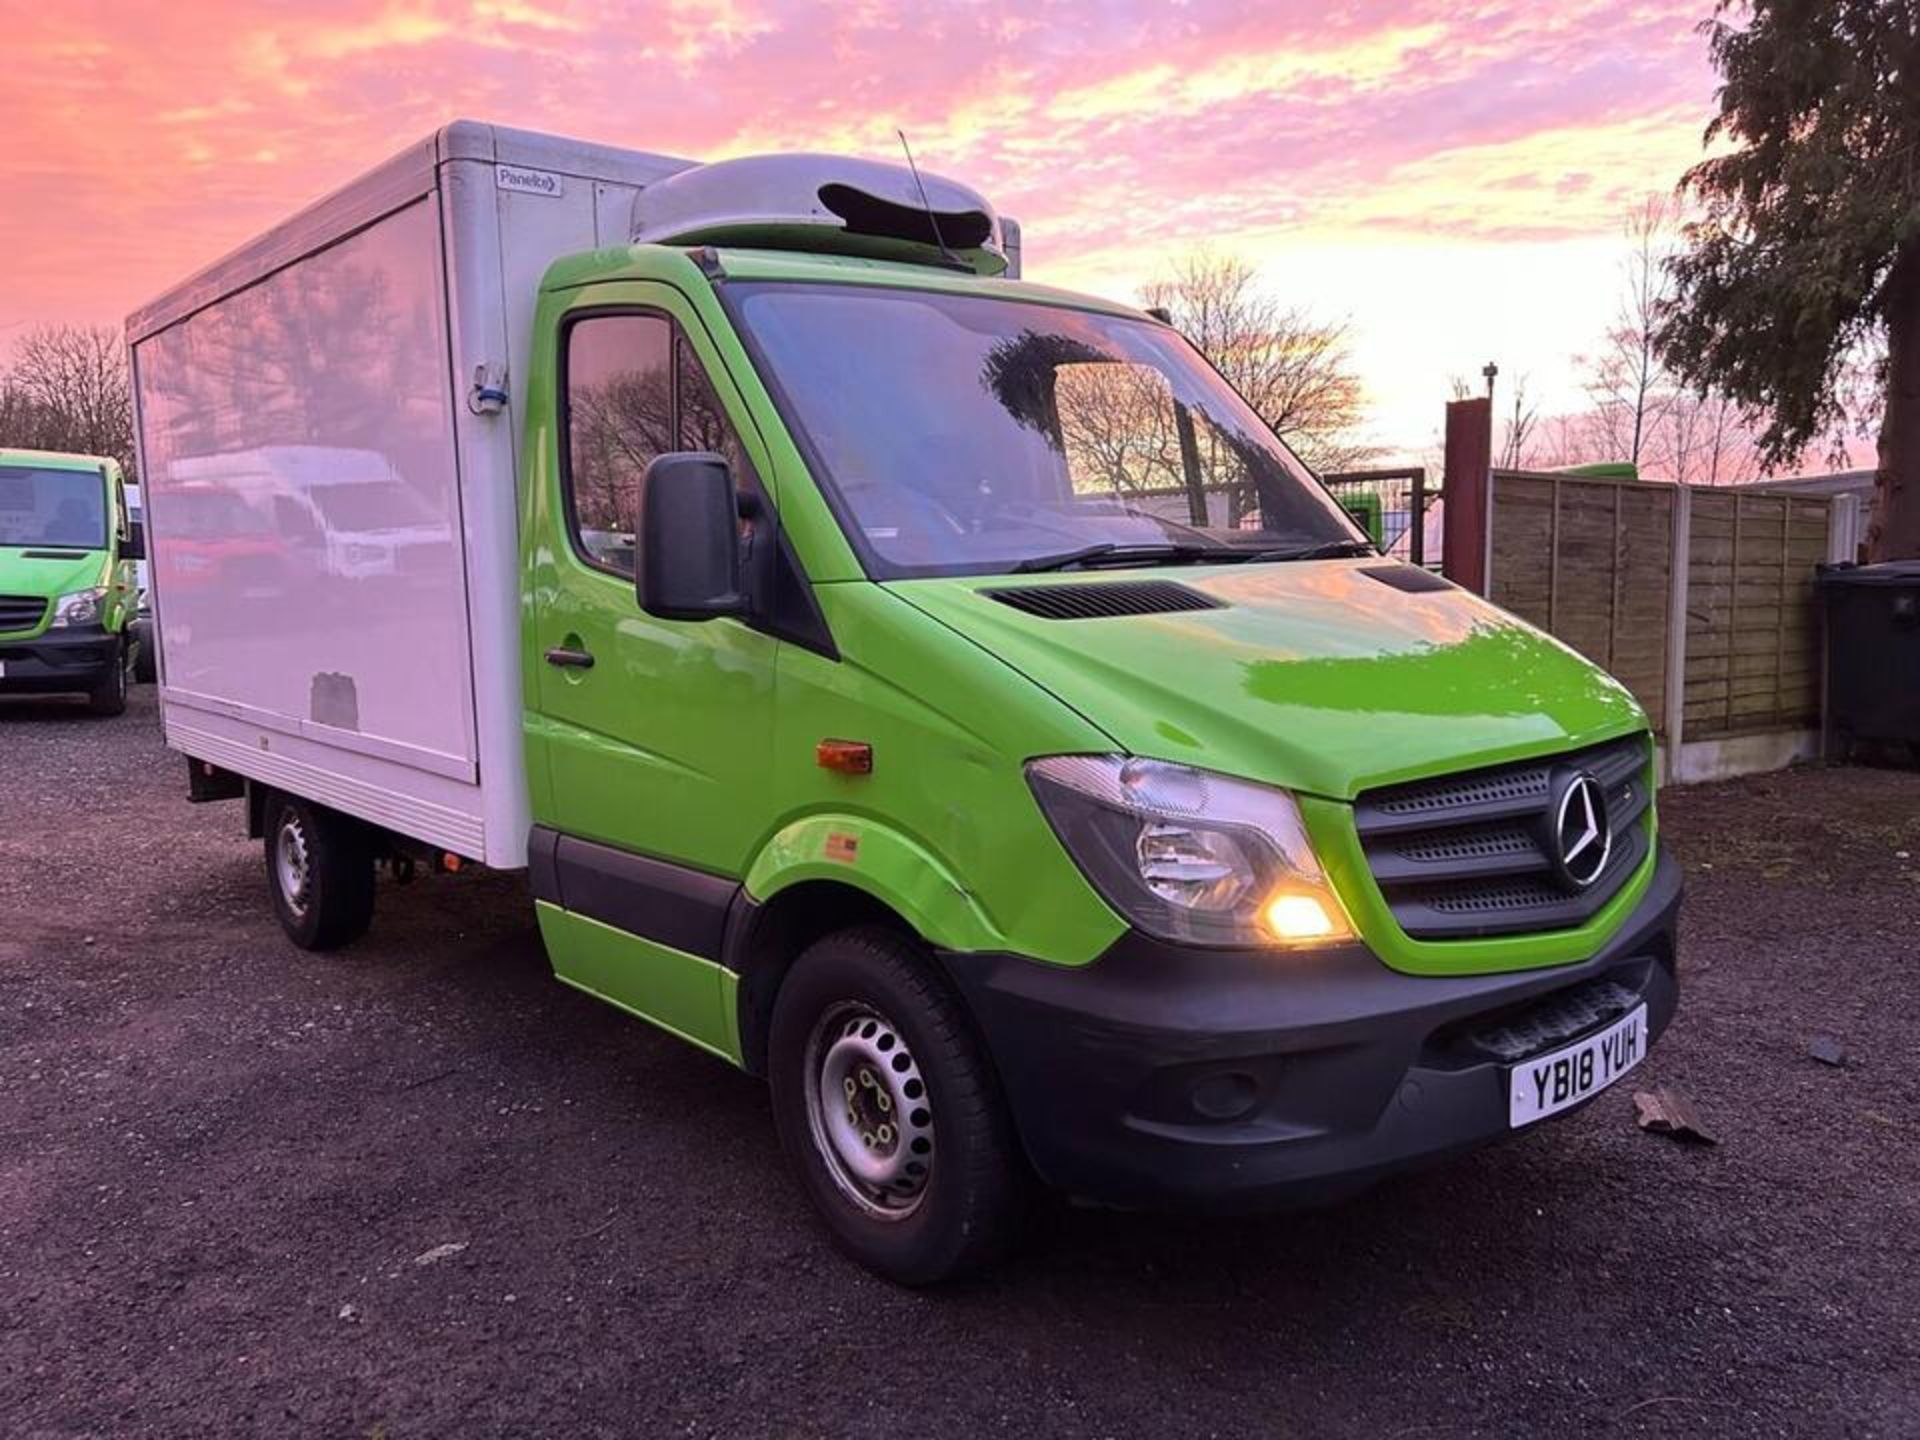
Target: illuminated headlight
{"points": [[1189, 855], [82, 607]]}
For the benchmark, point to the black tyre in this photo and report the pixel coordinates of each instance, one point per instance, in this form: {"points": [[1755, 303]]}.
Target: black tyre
{"points": [[146, 669], [109, 697], [320, 870], [890, 1112]]}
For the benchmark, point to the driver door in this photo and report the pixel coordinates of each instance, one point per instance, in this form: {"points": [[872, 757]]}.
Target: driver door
{"points": [[657, 733]]}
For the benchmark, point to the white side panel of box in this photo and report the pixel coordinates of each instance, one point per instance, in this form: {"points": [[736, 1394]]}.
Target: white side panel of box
{"points": [[333, 529], [304, 501]]}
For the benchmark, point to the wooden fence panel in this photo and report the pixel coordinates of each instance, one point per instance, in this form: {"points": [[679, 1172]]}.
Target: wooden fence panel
{"points": [[1752, 657], [1590, 561]]}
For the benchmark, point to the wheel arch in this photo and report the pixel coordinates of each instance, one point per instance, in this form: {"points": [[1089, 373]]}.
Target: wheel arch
{"points": [[764, 939], [828, 872], [855, 868]]}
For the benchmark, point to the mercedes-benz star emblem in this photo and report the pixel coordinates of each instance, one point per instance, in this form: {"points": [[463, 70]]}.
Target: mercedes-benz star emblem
{"points": [[1582, 838]]}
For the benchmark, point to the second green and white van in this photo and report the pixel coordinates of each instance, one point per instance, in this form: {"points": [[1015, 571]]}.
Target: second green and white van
{"points": [[68, 583]]}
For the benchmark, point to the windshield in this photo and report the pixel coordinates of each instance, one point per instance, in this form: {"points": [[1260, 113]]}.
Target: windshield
{"points": [[968, 435], [53, 507]]}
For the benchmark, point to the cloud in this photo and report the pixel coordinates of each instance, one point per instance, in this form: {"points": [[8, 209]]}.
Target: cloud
{"points": [[145, 141]]}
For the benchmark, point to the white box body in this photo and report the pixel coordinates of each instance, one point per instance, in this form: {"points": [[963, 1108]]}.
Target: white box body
{"points": [[332, 530]]}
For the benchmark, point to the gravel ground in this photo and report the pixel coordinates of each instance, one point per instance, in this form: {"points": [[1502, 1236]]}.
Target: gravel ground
{"points": [[420, 1189]]}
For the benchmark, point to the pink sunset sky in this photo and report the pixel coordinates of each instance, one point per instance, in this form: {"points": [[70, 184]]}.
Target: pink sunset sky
{"points": [[1450, 176]]}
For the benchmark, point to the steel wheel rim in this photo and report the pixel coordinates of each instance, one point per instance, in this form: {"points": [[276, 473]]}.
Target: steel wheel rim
{"points": [[292, 864], [868, 1110]]}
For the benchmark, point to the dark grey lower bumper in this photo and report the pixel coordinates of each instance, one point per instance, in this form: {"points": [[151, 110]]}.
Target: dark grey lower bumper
{"points": [[58, 662], [1259, 1079]]}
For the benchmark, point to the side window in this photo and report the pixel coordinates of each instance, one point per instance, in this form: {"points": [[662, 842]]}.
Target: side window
{"points": [[635, 390], [619, 416]]}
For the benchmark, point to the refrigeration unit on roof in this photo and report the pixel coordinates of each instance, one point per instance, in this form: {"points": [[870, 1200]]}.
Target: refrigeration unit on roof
{"points": [[824, 203]]}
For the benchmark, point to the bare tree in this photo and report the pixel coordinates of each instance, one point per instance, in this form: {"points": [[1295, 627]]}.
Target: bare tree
{"points": [[1293, 368], [21, 420], [68, 389], [1516, 449], [1625, 376], [1640, 412], [1703, 440]]}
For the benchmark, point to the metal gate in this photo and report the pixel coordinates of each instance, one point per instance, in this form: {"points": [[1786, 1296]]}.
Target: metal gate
{"points": [[1396, 507]]}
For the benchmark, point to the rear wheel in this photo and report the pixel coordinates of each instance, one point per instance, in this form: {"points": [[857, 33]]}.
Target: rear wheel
{"points": [[320, 869], [109, 697], [890, 1111]]}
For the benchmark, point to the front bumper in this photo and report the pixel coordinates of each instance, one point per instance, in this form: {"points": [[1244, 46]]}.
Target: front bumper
{"points": [[58, 661], [1258, 1079]]}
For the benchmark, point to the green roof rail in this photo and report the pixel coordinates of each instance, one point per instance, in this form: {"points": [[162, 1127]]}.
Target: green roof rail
{"points": [[1605, 470]]}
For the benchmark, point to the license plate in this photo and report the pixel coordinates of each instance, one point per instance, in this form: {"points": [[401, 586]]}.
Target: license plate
{"points": [[1541, 1087]]}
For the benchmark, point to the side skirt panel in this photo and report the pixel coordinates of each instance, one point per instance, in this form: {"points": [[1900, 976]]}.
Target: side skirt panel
{"points": [[683, 994]]}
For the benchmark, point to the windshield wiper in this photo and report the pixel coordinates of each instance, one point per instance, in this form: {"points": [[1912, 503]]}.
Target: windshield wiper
{"points": [[1112, 552], [1325, 550]]}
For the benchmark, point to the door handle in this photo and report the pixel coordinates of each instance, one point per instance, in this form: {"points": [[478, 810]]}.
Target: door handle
{"points": [[566, 658]]}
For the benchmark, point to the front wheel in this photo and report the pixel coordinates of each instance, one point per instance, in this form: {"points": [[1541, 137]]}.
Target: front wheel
{"points": [[320, 869], [890, 1111], [109, 696]]}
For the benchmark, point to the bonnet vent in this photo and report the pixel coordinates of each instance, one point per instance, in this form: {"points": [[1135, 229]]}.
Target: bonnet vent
{"points": [[1410, 578], [1108, 598]]}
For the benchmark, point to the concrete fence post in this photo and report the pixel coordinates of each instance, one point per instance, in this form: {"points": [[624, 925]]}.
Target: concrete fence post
{"points": [[1846, 523], [1674, 722], [1846, 533]]}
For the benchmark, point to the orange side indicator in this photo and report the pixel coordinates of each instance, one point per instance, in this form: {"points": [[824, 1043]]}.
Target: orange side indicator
{"points": [[849, 757], [842, 847]]}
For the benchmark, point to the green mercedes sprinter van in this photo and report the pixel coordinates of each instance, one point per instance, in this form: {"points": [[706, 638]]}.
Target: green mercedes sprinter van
{"points": [[937, 693], [68, 588]]}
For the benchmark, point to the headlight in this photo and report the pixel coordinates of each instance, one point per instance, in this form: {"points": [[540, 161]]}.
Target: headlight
{"points": [[1189, 855], [82, 607]]}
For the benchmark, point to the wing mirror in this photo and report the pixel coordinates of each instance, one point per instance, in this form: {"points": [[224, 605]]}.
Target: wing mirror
{"points": [[134, 545], [687, 561]]}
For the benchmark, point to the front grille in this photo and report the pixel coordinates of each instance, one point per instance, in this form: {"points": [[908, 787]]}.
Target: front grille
{"points": [[1472, 854], [21, 612]]}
